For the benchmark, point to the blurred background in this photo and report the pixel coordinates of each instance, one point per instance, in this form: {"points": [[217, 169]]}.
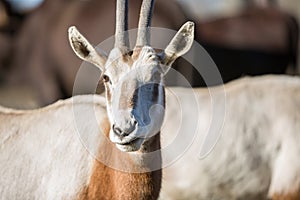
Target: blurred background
{"points": [[38, 67]]}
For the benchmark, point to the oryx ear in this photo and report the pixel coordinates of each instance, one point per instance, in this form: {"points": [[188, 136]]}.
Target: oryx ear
{"points": [[179, 45], [84, 50]]}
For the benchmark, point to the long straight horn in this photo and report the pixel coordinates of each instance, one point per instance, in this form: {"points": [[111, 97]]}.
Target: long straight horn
{"points": [[121, 34], [143, 36]]}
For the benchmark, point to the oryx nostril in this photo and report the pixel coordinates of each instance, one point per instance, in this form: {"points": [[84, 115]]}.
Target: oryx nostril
{"points": [[134, 122], [123, 132], [117, 130]]}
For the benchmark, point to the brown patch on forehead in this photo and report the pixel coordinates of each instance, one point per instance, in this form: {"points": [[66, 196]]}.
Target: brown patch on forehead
{"points": [[119, 62], [127, 59], [136, 53]]}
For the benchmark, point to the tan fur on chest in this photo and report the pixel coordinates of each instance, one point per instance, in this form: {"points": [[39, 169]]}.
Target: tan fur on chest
{"points": [[107, 183], [295, 195], [110, 184]]}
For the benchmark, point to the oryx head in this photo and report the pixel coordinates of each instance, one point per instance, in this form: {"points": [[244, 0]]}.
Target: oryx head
{"points": [[133, 79]]}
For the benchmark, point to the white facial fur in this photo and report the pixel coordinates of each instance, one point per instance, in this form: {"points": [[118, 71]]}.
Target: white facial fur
{"points": [[135, 97]]}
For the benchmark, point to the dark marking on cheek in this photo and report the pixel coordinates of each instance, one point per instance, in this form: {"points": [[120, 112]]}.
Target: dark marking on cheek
{"points": [[155, 92], [164, 95], [108, 94], [134, 99]]}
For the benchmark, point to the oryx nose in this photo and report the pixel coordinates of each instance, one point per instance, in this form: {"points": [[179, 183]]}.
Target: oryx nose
{"points": [[126, 130]]}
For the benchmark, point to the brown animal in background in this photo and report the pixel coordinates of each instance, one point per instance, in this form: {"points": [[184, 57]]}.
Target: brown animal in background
{"points": [[43, 58], [258, 40]]}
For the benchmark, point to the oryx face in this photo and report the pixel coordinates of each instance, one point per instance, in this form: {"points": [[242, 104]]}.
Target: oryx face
{"points": [[134, 79], [135, 96]]}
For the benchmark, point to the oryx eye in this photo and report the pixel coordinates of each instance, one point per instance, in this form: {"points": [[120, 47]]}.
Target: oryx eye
{"points": [[106, 78]]}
